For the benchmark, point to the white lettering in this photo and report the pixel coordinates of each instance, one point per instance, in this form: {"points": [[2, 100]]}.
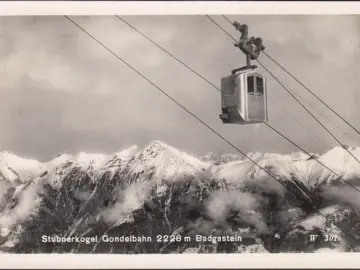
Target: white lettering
{"points": [[216, 239]]}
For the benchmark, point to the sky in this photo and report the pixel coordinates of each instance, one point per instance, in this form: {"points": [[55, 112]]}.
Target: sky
{"points": [[62, 92]]}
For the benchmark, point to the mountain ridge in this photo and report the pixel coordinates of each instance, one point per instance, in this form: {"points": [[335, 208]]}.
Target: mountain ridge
{"points": [[98, 161], [162, 190]]}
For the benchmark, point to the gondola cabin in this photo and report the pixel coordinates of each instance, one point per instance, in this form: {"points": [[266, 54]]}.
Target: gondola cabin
{"points": [[244, 98]]}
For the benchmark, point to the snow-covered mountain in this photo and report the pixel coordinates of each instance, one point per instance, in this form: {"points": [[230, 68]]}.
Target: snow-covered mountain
{"points": [[160, 190], [17, 169]]}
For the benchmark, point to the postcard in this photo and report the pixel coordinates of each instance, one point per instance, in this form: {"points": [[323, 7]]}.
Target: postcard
{"points": [[155, 139]]}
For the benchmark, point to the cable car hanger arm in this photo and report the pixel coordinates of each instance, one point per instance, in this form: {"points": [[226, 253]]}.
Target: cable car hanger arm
{"points": [[251, 47], [247, 67]]}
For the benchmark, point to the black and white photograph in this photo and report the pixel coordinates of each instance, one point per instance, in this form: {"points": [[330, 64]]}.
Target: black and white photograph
{"points": [[179, 134]]}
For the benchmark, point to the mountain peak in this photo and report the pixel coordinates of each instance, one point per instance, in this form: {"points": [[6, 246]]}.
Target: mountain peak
{"points": [[339, 152], [158, 145], [9, 155], [15, 160], [166, 162], [127, 152], [13, 167], [87, 160]]}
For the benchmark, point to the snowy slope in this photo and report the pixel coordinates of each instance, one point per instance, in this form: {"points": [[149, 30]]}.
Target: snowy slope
{"points": [[80, 194], [161, 161], [118, 160], [14, 168], [342, 162]]}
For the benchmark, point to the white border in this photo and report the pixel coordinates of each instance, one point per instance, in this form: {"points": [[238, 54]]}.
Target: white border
{"points": [[174, 8], [71, 261], [205, 261]]}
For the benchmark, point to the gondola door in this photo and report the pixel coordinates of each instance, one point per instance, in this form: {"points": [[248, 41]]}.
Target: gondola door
{"points": [[256, 98]]}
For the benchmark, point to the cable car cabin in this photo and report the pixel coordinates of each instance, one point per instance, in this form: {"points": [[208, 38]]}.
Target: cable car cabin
{"points": [[244, 99]]}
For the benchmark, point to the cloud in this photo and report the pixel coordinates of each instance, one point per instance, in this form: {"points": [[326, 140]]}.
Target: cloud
{"points": [[289, 215], [255, 219], [221, 203], [202, 226], [26, 204], [99, 103], [342, 194], [127, 200], [267, 184]]}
